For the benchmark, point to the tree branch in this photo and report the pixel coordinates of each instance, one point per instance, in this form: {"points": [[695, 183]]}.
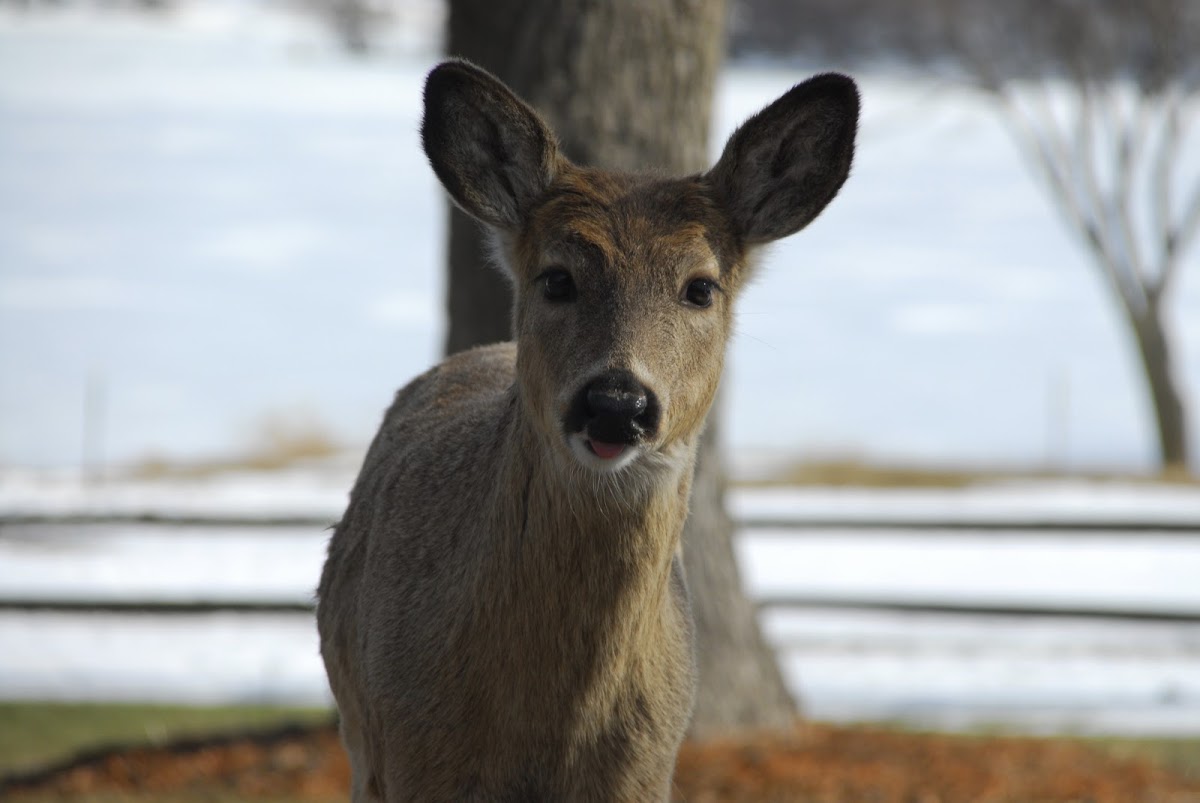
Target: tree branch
{"points": [[1127, 138], [1041, 141], [1189, 223], [1166, 159]]}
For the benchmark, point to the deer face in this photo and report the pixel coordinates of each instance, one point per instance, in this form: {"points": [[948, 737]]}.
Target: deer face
{"points": [[625, 284], [624, 292]]}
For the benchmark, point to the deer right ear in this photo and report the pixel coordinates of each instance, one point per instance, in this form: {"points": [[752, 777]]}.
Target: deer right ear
{"points": [[490, 150]]}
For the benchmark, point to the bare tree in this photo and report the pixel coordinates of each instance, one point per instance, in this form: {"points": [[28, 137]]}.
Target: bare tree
{"points": [[1099, 96], [626, 84]]}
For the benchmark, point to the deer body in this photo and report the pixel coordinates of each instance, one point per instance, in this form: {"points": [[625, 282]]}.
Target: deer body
{"points": [[503, 614]]}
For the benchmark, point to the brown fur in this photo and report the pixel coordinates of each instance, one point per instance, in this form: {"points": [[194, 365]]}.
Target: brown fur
{"points": [[499, 619]]}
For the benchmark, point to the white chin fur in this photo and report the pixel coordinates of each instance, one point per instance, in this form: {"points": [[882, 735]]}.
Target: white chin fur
{"points": [[587, 457]]}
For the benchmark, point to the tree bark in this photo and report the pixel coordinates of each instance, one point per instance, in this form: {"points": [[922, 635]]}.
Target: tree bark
{"points": [[628, 85], [741, 685], [625, 84], [478, 297], [1170, 413]]}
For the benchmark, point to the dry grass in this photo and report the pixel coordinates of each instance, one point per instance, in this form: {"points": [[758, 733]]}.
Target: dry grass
{"points": [[860, 473], [283, 439], [278, 441], [36, 734]]}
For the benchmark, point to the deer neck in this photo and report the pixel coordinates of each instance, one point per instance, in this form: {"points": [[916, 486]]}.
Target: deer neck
{"points": [[583, 555]]}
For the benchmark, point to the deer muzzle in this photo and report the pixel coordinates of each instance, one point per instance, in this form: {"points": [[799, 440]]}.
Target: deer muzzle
{"points": [[614, 410]]}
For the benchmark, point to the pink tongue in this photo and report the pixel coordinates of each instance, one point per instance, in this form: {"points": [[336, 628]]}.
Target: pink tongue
{"points": [[607, 451]]}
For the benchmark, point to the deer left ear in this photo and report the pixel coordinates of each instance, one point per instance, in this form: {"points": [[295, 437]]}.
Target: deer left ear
{"points": [[786, 163]]}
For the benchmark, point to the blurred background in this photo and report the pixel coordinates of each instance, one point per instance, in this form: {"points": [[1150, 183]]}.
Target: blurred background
{"points": [[958, 419], [219, 231]]}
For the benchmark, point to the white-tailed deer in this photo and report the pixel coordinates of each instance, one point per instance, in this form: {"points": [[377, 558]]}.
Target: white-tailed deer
{"points": [[503, 613]]}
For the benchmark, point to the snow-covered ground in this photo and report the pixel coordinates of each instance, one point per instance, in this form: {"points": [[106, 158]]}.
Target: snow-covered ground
{"points": [[218, 658], [952, 672], [1058, 676], [214, 216], [939, 670], [1065, 501], [1118, 571]]}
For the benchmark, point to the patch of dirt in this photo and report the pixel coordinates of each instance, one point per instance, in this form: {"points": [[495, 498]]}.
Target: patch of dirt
{"points": [[826, 764], [305, 763], [811, 764]]}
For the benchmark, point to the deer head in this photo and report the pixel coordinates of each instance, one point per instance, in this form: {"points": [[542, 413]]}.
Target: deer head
{"points": [[624, 284]]}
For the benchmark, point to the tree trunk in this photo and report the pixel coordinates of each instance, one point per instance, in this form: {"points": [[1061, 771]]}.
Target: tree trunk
{"points": [[478, 298], [740, 682], [626, 84], [1169, 411]]}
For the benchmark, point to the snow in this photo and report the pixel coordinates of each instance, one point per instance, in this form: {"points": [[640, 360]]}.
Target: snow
{"points": [[1066, 676], [162, 563], [929, 670], [218, 658], [1123, 572], [214, 217], [1041, 501], [318, 491]]}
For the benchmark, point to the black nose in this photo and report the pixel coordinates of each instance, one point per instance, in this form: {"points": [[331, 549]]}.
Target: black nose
{"points": [[616, 395], [615, 408]]}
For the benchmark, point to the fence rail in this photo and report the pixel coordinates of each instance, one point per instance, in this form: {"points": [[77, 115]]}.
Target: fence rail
{"points": [[967, 608], [764, 602], [1030, 526], [797, 527], [164, 519], [154, 606], [758, 525]]}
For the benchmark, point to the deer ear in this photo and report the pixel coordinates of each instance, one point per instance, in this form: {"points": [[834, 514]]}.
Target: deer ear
{"points": [[490, 150], [786, 163]]}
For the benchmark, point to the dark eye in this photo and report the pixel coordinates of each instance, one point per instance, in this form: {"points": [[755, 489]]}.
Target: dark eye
{"points": [[699, 292], [557, 285]]}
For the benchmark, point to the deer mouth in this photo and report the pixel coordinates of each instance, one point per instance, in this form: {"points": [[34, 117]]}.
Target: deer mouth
{"points": [[610, 418], [610, 442], [605, 451], [613, 431], [603, 455]]}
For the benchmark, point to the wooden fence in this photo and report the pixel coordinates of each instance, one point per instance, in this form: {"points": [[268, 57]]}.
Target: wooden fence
{"points": [[758, 526]]}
